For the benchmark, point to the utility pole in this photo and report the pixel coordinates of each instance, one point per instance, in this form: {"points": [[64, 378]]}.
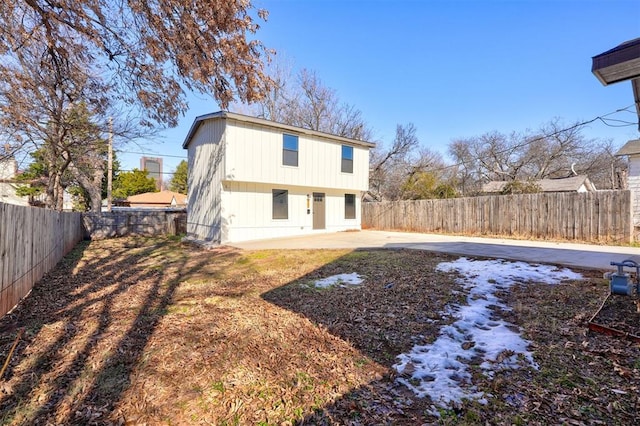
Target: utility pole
{"points": [[110, 165]]}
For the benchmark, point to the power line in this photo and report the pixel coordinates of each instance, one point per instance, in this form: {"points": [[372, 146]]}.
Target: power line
{"points": [[601, 118], [148, 172], [151, 154]]}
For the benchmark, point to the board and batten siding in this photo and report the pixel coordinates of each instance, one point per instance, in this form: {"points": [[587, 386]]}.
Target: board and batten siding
{"points": [[254, 154], [206, 172], [235, 162], [247, 211]]}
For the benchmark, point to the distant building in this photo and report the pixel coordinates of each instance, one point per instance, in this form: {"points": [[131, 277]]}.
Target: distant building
{"points": [[153, 166], [580, 183], [158, 199], [8, 172]]}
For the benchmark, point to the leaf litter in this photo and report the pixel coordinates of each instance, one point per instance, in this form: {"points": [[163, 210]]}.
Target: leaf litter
{"points": [[137, 330]]}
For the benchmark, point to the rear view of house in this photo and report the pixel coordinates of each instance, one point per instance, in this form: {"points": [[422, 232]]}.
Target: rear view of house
{"points": [[251, 178]]}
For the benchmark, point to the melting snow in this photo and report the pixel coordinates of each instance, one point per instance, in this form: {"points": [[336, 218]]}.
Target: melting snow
{"points": [[341, 279], [440, 370]]}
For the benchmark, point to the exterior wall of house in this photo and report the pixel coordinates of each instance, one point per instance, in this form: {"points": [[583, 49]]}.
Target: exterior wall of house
{"points": [[634, 186], [235, 165], [8, 169], [254, 154], [206, 171], [247, 211]]}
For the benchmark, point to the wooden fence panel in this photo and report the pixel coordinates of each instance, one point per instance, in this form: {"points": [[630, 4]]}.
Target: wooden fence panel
{"points": [[602, 216], [32, 242]]}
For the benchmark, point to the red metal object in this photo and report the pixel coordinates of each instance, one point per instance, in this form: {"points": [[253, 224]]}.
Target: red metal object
{"points": [[599, 328]]}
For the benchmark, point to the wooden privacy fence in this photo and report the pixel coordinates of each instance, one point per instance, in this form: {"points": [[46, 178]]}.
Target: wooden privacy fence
{"points": [[32, 241], [602, 216]]}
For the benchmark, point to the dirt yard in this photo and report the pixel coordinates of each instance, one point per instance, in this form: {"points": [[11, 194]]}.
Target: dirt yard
{"points": [[151, 331]]}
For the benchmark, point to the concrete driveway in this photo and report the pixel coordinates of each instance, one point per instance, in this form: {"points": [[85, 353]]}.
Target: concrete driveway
{"points": [[568, 254]]}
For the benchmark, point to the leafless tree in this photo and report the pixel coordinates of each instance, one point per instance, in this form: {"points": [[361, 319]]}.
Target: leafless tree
{"points": [[149, 51], [556, 150], [303, 100], [121, 59]]}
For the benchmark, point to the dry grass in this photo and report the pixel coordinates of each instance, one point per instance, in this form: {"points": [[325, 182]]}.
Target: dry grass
{"points": [[135, 331]]}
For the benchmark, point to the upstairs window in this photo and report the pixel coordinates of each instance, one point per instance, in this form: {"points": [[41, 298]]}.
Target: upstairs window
{"points": [[347, 159], [290, 150], [349, 206], [280, 204]]}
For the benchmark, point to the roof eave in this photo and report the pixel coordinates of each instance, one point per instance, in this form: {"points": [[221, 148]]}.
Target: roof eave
{"points": [[618, 64], [268, 123]]}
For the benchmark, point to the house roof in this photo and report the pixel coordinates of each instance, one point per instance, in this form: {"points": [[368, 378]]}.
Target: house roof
{"points": [[162, 197], [630, 148], [261, 121], [618, 64], [569, 184]]}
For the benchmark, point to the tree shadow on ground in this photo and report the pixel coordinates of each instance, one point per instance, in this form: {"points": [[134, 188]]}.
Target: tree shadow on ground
{"points": [[94, 334], [399, 305]]}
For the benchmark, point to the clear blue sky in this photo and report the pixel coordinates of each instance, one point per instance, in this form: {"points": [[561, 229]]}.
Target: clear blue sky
{"points": [[453, 68]]}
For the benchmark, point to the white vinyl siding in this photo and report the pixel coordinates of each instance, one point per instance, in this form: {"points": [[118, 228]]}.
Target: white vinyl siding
{"points": [[205, 175], [256, 156], [634, 186], [248, 212], [234, 167]]}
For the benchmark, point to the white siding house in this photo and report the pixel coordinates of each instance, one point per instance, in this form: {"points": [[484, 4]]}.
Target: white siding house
{"points": [[632, 150], [8, 171], [251, 178]]}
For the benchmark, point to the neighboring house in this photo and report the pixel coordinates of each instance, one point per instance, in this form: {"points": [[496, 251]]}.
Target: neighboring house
{"points": [[158, 199], [632, 150], [8, 172], [251, 178], [580, 183]]}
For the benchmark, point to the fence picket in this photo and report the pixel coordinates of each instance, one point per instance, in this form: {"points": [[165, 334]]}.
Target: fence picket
{"points": [[602, 216], [32, 241]]}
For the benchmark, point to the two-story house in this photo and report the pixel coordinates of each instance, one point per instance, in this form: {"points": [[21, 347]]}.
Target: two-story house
{"points": [[251, 178]]}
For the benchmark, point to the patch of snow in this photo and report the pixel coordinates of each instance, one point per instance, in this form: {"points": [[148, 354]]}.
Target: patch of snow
{"points": [[340, 279], [441, 370]]}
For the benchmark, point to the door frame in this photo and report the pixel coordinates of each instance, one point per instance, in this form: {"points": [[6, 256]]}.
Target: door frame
{"points": [[319, 211]]}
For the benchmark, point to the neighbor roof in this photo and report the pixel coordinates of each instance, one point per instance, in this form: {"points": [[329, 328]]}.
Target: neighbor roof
{"points": [[162, 197], [630, 148], [261, 121], [569, 184]]}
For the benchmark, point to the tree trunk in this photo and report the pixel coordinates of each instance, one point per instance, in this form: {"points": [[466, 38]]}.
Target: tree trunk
{"points": [[92, 185]]}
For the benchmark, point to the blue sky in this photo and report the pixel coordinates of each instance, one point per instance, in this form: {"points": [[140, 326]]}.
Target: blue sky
{"points": [[452, 68]]}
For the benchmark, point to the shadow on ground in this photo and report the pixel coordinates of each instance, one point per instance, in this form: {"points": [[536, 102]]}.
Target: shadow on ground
{"points": [[92, 340], [149, 331]]}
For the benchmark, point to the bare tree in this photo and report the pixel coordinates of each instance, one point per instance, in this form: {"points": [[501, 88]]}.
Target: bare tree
{"points": [[59, 108], [390, 167], [304, 101], [150, 51], [556, 150], [120, 59]]}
